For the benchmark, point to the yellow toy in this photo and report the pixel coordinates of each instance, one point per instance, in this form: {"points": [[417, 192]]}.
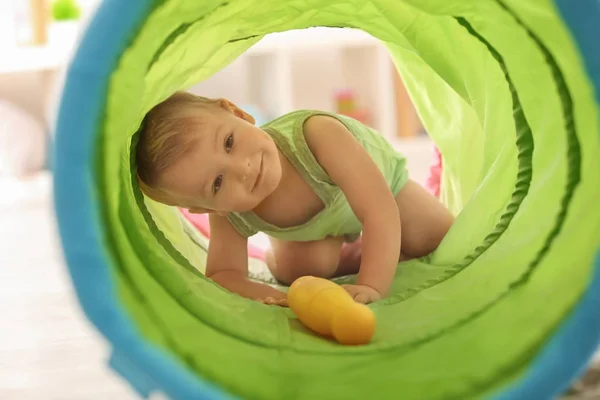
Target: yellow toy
{"points": [[329, 310]]}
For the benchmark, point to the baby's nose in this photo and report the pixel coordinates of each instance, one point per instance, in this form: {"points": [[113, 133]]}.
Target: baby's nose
{"points": [[243, 169]]}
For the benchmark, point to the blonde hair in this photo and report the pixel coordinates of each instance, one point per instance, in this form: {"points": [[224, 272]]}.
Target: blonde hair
{"points": [[164, 137]]}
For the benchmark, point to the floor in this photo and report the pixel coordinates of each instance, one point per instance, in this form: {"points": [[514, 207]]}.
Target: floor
{"points": [[48, 350]]}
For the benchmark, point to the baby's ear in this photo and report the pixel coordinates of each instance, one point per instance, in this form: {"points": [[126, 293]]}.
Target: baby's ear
{"points": [[238, 112]]}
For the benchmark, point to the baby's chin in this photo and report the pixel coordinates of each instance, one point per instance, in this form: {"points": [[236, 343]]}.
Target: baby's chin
{"points": [[252, 204]]}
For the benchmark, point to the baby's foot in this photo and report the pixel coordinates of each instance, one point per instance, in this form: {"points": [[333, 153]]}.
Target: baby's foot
{"points": [[350, 256]]}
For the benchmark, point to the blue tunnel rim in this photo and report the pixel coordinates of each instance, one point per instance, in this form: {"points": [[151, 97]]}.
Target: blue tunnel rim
{"points": [[80, 229]]}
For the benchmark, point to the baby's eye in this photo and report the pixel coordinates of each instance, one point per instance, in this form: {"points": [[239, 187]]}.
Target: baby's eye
{"points": [[217, 184], [229, 143]]}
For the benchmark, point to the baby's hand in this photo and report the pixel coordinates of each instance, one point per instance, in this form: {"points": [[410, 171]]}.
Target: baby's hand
{"points": [[362, 293], [275, 301]]}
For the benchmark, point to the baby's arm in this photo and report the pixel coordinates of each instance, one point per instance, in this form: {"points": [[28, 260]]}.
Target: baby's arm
{"points": [[227, 264], [352, 169]]}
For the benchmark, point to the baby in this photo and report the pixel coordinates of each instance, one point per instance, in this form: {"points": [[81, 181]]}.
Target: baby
{"points": [[332, 194]]}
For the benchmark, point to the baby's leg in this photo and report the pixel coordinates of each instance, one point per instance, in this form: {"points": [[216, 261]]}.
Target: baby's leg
{"points": [[351, 256], [289, 261], [425, 221]]}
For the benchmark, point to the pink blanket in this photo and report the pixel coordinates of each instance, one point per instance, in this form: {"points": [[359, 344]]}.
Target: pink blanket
{"points": [[435, 173]]}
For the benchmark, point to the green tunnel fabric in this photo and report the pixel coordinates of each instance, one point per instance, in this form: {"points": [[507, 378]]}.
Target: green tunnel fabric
{"points": [[501, 89]]}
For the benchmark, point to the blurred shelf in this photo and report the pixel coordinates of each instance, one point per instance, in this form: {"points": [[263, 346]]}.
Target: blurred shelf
{"points": [[304, 68]]}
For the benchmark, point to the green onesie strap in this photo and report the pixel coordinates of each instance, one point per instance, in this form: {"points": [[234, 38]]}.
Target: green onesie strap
{"points": [[240, 225], [296, 149]]}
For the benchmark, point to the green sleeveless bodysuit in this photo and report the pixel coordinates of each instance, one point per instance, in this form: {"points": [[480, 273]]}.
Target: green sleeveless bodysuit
{"points": [[337, 217]]}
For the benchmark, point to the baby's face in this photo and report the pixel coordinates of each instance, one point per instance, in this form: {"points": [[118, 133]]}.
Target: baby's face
{"points": [[232, 165]]}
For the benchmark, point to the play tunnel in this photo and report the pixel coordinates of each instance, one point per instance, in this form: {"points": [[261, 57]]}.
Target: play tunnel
{"points": [[508, 307]]}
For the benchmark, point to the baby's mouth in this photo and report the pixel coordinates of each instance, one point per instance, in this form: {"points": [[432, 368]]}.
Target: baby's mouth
{"points": [[259, 176]]}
